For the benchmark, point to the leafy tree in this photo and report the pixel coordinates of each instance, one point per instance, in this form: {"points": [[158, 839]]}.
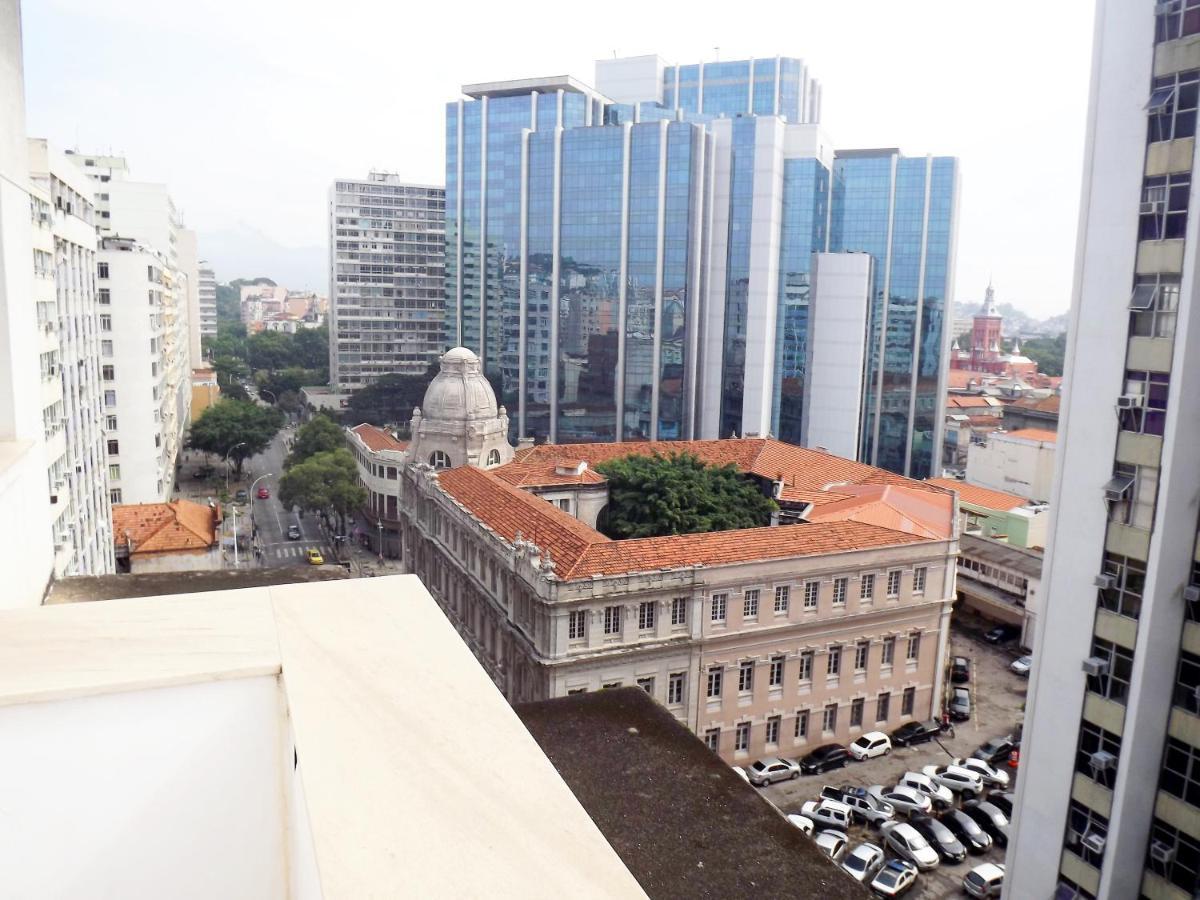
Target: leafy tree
{"points": [[290, 402], [1048, 353], [236, 427], [280, 381], [320, 435], [269, 350], [325, 482], [388, 400], [678, 494], [310, 348]]}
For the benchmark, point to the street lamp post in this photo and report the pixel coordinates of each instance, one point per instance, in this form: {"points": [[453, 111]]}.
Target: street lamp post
{"points": [[253, 526], [262, 391], [379, 525], [227, 452]]}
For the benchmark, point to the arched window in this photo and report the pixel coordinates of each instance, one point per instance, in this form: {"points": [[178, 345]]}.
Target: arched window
{"points": [[493, 457], [439, 459]]}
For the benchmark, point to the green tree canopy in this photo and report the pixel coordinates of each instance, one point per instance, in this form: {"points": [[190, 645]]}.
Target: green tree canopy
{"points": [[389, 400], [320, 435], [1047, 352], [236, 427], [325, 482], [649, 496]]}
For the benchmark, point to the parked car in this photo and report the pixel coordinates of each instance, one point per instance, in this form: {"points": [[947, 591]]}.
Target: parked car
{"points": [[907, 843], [997, 750], [990, 819], [264, 493], [865, 807], [202, 472], [737, 770], [241, 496], [895, 879], [991, 776], [1002, 802], [1022, 666], [1002, 634], [902, 799], [967, 830], [985, 880], [871, 744], [804, 823], [771, 769], [824, 758], [828, 814], [832, 844], [916, 733], [957, 778], [863, 862], [960, 669], [314, 557], [919, 781], [960, 704], [293, 532], [940, 838]]}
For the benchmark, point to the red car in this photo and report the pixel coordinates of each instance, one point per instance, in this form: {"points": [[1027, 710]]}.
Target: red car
{"points": [[264, 493]]}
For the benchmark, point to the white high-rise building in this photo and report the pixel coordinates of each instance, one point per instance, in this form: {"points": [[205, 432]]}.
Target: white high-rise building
{"points": [[25, 527], [386, 269], [64, 257], [208, 303], [1108, 802], [189, 265]]}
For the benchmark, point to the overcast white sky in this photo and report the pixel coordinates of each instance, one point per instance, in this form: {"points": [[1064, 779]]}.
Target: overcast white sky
{"points": [[248, 110]]}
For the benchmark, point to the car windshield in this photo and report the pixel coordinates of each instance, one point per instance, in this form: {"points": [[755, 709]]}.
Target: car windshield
{"points": [[759, 766], [976, 879], [862, 742], [856, 862], [888, 878]]}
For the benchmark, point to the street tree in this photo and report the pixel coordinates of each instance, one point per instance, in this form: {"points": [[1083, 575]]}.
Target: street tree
{"points": [[238, 428], [320, 435], [324, 483], [658, 495]]}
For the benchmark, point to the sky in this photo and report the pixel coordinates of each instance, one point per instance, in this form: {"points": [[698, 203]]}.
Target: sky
{"points": [[249, 110]]}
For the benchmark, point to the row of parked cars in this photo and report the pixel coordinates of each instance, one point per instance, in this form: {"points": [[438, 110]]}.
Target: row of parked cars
{"points": [[940, 814]]}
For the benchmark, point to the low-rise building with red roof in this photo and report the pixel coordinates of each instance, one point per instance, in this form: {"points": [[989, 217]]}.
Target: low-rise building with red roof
{"points": [[167, 537]]}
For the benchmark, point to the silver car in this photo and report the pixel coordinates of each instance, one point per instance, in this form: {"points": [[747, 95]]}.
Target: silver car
{"points": [[908, 843], [903, 799], [771, 769], [832, 844], [863, 862], [991, 775]]}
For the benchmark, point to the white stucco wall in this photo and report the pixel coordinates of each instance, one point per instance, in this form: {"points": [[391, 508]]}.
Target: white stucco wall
{"points": [[1014, 465]]}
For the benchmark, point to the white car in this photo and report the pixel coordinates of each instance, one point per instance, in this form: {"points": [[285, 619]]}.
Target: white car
{"points": [[908, 843], [870, 745], [992, 776], [895, 878], [985, 880], [920, 782], [1022, 666], [863, 862], [958, 778], [832, 844], [804, 823], [828, 814], [902, 799]]}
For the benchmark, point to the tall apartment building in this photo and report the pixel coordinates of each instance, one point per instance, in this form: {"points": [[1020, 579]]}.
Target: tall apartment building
{"points": [[25, 529], [68, 315], [386, 269], [208, 303], [189, 267], [635, 261], [1109, 796]]}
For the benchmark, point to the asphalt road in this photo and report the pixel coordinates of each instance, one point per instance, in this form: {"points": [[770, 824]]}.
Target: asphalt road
{"points": [[272, 520]]}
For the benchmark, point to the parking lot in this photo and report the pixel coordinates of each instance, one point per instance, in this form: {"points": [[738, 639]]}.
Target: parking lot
{"points": [[998, 696]]}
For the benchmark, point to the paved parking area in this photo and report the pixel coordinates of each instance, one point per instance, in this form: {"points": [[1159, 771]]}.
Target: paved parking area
{"points": [[998, 695]]}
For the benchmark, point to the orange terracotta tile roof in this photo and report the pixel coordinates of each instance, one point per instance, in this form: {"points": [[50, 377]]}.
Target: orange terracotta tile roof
{"points": [[1049, 404], [970, 401], [165, 527], [1036, 434], [981, 496], [960, 378], [926, 513], [377, 438]]}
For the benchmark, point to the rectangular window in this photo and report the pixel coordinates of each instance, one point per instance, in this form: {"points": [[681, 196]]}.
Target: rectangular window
{"points": [[1174, 19], [1172, 106], [646, 616], [718, 607], [1179, 857], [839, 591], [812, 591], [612, 620], [108, 373], [741, 738], [776, 678], [893, 584], [1128, 580], [675, 687], [914, 647], [861, 650], [114, 496], [715, 676], [1181, 771], [106, 348], [882, 707], [829, 718], [750, 605], [104, 297], [1103, 769], [802, 723], [856, 712], [114, 472], [679, 611], [746, 677], [866, 588], [773, 730], [919, 580], [102, 270], [1164, 209], [106, 323], [889, 651], [1114, 666], [1187, 680], [833, 662], [806, 665], [907, 701], [114, 448], [646, 683], [783, 596], [1153, 306], [110, 398], [1083, 823], [577, 625], [1143, 408], [712, 739], [110, 423]]}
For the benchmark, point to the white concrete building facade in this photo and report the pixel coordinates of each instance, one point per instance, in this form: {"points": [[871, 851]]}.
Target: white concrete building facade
{"points": [[208, 303], [1017, 462]]}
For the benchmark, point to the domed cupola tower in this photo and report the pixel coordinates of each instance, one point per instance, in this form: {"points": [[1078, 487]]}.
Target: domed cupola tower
{"points": [[458, 423]]}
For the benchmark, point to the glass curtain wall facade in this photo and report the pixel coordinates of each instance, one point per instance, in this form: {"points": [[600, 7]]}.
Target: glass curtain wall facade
{"points": [[775, 86]]}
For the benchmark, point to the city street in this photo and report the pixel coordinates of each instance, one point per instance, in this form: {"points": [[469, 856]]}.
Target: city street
{"points": [[272, 520]]}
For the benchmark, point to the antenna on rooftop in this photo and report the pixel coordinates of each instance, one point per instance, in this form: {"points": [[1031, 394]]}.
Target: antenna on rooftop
{"points": [[717, 51]]}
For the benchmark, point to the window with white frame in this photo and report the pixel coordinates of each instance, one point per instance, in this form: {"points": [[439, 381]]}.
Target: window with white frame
{"points": [[919, 575], [913, 653], [861, 651], [856, 712], [1174, 19], [750, 604], [772, 732], [776, 673], [110, 423], [893, 584], [1172, 106], [812, 591], [1164, 208], [889, 651], [679, 611], [746, 677], [839, 591], [883, 707], [1148, 415], [829, 718], [646, 616], [712, 739], [741, 736], [715, 677], [1153, 306], [907, 701], [866, 588], [718, 607], [646, 683], [806, 665], [612, 620], [577, 625], [783, 597], [801, 724], [833, 660], [675, 687], [114, 495]]}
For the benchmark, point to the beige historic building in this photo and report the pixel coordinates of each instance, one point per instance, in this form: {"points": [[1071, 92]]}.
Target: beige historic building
{"points": [[832, 622]]}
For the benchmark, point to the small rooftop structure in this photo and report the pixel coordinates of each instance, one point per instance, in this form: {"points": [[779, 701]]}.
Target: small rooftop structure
{"points": [[377, 439], [176, 527]]}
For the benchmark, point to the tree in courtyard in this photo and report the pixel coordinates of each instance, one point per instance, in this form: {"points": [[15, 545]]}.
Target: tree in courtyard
{"points": [[235, 427], [325, 482], [389, 400], [657, 495], [320, 435]]}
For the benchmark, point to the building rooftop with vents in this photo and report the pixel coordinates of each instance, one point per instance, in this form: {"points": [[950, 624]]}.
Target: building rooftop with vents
{"points": [[180, 534]]}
